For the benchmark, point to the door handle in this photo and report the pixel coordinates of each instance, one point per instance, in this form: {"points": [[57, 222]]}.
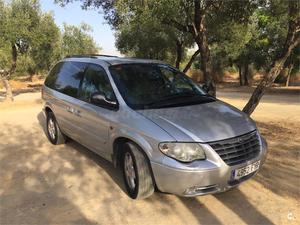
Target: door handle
{"points": [[69, 109], [77, 112]]}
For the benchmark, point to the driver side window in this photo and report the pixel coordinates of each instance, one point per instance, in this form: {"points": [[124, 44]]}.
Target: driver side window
{"points": [[95, 81]]}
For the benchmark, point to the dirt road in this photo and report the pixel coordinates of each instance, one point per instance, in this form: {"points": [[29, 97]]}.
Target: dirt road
{"points": [[45, 184]]}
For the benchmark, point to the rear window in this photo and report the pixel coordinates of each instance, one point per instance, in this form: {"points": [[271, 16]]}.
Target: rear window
{"points": [[65, 77]]}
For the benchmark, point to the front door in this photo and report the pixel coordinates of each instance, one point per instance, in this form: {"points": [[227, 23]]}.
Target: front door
{"points": [[95, 119]]}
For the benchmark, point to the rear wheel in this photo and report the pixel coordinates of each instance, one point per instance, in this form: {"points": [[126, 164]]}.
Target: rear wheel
{"points": [[54, 133], [136, 172]]}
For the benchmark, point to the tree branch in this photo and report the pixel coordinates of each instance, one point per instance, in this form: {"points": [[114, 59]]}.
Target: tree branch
{"points": [[14, 53], [192, 59], [291, 42], [176, 24], [197, 13]]}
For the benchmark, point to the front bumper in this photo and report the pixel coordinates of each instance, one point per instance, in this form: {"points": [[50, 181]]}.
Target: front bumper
{"points": [[200, 177]]}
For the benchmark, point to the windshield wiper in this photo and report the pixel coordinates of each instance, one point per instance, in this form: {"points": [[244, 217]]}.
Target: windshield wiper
{"points": [[176, 100], [166, 98]]}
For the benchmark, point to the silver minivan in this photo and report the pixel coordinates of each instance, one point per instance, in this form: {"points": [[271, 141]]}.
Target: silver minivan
{"points": [[160, 127]]}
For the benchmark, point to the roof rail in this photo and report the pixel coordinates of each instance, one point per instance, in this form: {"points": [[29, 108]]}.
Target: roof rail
{"points": [[89, 56]]}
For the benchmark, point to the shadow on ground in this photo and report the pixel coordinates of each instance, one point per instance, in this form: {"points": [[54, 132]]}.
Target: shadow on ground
{"points": [[43, 184], [280, 173]]}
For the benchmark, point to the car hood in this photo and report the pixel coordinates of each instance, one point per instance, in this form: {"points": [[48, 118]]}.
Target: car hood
{"points": [[201, 123]]}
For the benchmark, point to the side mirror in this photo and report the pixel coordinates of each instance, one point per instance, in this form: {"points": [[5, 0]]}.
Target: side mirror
{"points": [[101, 100]]}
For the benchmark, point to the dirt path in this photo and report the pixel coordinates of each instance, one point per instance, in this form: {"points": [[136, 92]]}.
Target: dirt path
{"points": [[45, 184]]}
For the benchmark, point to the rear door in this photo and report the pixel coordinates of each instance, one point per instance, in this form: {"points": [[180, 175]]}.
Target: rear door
{"points": [[66, 82], [95, 119]]}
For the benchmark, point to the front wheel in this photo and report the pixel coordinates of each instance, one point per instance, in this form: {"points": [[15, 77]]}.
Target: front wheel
{"points": [[136, 172]]}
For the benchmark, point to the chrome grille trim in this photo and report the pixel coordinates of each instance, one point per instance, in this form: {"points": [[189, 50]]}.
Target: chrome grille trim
{"points": [[238, 150]]}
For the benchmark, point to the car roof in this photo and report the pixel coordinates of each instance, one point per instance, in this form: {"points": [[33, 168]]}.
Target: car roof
{"points": [[112, 60]]}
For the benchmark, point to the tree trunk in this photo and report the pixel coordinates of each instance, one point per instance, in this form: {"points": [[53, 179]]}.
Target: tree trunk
{"points": [[202, 42], [198, 30], [287, 83], [206, 64], [291, 42], [14, 54], [246, 74], [240, 75], [31, 74], [178, 53], [243, 73], [6, 76], [31, 77], [192, 59], [9, 94], [270, 77]]}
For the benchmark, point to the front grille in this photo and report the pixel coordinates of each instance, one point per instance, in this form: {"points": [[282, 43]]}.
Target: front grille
{"points": [[238, 150]]}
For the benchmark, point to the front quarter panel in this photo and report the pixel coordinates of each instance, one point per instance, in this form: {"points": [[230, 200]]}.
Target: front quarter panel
{"points": [[131, 125]]}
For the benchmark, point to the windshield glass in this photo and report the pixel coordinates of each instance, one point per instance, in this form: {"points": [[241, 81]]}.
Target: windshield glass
{"points": [[146, 86]]}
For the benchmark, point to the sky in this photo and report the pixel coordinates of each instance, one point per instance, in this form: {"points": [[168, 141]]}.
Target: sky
{"points": [[74, 15]]}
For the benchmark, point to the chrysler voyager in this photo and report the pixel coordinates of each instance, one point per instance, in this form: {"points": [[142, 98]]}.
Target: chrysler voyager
{"points": [[155, 123]]}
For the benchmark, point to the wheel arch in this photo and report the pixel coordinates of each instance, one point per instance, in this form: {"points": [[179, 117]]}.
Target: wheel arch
{"points": [[47, 109], [143, 145], [117, 153]]}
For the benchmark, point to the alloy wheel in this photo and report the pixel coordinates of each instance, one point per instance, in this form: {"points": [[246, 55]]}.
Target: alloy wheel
{"points": [[129, 171], [51, 128]]}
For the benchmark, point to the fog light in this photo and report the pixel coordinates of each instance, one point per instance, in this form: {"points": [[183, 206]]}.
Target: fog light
{"points": [[196, 190]]}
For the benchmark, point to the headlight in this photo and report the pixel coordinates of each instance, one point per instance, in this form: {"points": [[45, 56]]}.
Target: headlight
{"points": [[184, 152]]}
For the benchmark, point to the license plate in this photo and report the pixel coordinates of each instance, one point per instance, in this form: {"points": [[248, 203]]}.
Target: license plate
{"points": [[246, 170]]}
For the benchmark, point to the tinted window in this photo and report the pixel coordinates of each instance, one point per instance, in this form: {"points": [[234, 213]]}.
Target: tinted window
{"points": [[145, 86], [51, 78], [69, 77], [95, 81]]}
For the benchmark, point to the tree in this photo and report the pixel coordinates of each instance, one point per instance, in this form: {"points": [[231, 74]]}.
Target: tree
{"points": [[19, 19], [197, 18], [189, 17], [77, 40], [31, 42], [231, 44], [46, 47], [292, 64], [143, 36], [292, 40]]}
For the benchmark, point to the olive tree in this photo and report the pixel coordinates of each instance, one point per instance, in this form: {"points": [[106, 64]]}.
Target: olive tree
{"points": [[77, 40], [188, 17], [292, 40], [18, 21]]}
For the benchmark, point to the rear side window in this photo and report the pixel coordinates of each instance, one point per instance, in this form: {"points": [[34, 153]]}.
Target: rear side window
{"points": [[65, 77], [51, 78]]}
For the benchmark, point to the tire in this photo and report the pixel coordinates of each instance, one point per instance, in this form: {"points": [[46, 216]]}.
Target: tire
{"points": [[143, 183], [54, 133]]}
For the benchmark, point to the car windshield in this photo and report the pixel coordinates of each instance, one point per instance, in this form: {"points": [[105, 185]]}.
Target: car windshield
{"points": [[147, 86]]}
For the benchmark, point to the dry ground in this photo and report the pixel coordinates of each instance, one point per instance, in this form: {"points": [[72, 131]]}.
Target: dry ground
{"points": [[45, 184]]}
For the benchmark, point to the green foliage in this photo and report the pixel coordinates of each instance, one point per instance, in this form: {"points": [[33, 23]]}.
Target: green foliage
{"points": [[140, 34], [256, 41], [145, 37], [5, 56], [45, 50], [152, 28], [77, 40], [39, 41], [23, 19], [239, 32], [19, 25]]}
